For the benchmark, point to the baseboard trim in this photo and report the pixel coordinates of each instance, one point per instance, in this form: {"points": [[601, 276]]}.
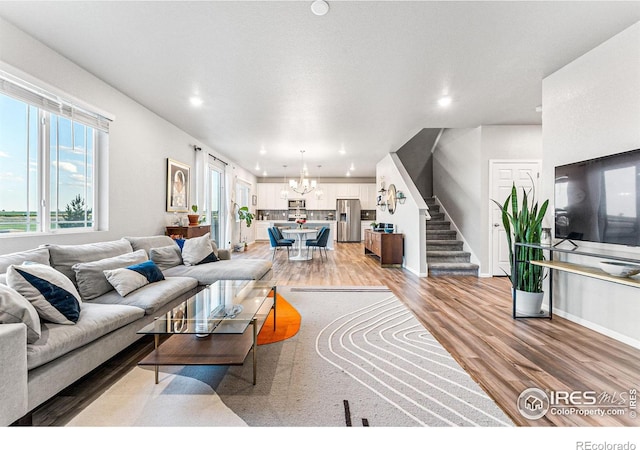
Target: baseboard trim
{"points": [[600, 329]]}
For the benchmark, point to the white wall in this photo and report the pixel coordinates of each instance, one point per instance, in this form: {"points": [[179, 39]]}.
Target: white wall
{"points": [[409, 217], [591, 107], [461, 177], [140, 143], [457, 166]]}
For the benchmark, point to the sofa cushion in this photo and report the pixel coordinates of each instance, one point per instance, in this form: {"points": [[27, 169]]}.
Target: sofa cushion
{"points": [[39, 255], [198, 250], [146, 243], [151, 297], [128, 279], [95, 321], [90, 277], [166, 257], [233, 269], [51, 293], [14, 308], [63, 257]]}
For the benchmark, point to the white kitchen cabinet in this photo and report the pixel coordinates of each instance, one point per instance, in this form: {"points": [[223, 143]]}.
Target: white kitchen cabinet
{"points": [[261, 230], [328, 199], [269, 196], [347, 190], [368, 196]]}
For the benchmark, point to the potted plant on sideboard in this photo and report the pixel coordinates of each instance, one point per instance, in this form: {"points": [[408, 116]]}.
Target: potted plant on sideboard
{"points": [[194, 219], [523, 224]]}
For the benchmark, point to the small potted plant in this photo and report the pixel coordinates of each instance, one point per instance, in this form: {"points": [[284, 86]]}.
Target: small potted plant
{"points": [[373, 225], [194, 219]]}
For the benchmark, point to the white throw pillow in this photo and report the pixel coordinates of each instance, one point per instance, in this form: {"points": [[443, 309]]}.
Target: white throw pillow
{"points": [[14, 308], [128, 279], [90, 278], [50, 292], [198, 251]]}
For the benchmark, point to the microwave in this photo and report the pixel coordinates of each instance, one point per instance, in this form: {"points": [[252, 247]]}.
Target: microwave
{"points": [[297, 204]]}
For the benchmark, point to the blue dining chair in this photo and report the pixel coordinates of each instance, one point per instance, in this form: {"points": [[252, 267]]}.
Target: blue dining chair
{"points": [[320, 242], [277, 243], [279, 235]]}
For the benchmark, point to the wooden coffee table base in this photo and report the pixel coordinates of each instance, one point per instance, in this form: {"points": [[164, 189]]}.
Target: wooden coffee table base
{"points": [[213, 350]]}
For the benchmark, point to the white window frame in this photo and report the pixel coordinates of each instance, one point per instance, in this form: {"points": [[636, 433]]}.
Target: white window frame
{"points": [[48, 100]]}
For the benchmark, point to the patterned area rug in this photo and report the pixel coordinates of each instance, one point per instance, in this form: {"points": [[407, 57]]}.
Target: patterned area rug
{"points": [[360, 358]]}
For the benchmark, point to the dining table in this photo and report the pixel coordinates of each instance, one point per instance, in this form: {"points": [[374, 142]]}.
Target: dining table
{"points": [[300, 235]]}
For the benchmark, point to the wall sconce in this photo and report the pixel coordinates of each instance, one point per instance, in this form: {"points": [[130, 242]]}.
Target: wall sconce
{"points": [[401, 197], [382, 206]]}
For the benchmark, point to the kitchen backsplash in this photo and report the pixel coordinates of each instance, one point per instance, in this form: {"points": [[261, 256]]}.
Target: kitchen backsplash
{"points": [[282, 214], [317, 214]]}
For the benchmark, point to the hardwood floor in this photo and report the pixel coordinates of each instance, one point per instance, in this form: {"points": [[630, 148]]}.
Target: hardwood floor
{"points": [[470, 317]]}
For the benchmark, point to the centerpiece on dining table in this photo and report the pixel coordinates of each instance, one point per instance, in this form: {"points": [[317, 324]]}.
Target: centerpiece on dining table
{"points": [[301, 222]]}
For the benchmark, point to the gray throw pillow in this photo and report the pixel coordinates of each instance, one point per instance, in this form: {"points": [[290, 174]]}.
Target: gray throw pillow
{"points": [[166, 257], [39, 255], [14, 308], [63, 257], [90, 278]]}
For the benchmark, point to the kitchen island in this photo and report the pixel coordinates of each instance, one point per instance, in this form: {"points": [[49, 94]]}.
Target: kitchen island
{"points": [[263, 225]]}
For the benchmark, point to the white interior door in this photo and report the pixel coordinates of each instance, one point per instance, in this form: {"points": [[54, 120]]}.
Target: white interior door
{"points": [[503, 174]]}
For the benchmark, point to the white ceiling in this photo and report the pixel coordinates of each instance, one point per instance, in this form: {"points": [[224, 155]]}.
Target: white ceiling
{"points": [[364, 78]]}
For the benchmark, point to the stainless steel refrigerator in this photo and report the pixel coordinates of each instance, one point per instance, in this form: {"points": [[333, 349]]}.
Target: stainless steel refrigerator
{"points": [[348, 215]]}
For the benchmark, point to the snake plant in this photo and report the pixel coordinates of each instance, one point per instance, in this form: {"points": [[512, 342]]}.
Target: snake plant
{"points": [[524, 225]]}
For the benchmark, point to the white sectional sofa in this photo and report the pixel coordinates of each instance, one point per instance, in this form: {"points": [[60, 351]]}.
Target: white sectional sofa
{"points": [[34, 372]]}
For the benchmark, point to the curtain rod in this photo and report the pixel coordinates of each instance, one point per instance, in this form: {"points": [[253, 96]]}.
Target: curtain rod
{"points": [[215, 158], [218, 159]]}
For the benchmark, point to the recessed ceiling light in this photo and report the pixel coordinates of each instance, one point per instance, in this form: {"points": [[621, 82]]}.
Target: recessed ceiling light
{"points": [[342, 151], [352, 168], [320, 7], [196, 101], [264, 174], [257, 166], [444, 101], [263, 151], [348, 173], [539, 108]]}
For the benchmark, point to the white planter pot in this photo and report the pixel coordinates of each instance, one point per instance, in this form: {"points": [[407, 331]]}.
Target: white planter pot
{"points": [[529, 303]]}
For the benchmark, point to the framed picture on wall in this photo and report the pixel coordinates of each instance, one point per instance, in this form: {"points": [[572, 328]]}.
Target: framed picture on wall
{"points": [[254, 200], [178, 182]]}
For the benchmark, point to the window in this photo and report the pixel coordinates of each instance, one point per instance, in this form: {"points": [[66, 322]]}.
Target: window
{"points": [[48, 154], [242, 195]]}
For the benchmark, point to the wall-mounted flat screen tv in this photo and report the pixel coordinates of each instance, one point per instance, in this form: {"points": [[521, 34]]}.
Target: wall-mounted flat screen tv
{"points": [[598, 200]]}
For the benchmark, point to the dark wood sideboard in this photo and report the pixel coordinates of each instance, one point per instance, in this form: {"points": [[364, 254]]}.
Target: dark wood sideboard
{"points": [[389, 247], [189, 232]]}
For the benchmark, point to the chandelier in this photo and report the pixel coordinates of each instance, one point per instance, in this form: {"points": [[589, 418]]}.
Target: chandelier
{"points": [[303, 185]]}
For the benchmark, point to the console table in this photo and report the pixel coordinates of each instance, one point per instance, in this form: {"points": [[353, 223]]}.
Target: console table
{"points": [[389, 247], [579, 269], [189, 232]]}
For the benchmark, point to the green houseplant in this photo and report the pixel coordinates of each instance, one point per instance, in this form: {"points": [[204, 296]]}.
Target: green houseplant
{"points": [[523, 224], [194, 219], [244, 215]]}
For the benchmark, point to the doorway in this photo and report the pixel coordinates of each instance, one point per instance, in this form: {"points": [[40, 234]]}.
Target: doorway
{"points": [[502, 175], [215, 200]]}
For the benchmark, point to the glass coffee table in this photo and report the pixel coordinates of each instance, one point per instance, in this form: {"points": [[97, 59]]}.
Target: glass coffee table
{"points": [[217, 326]]}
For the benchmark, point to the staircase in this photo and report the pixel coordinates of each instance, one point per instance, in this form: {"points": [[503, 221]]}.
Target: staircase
{"points": [[445, 256]]}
